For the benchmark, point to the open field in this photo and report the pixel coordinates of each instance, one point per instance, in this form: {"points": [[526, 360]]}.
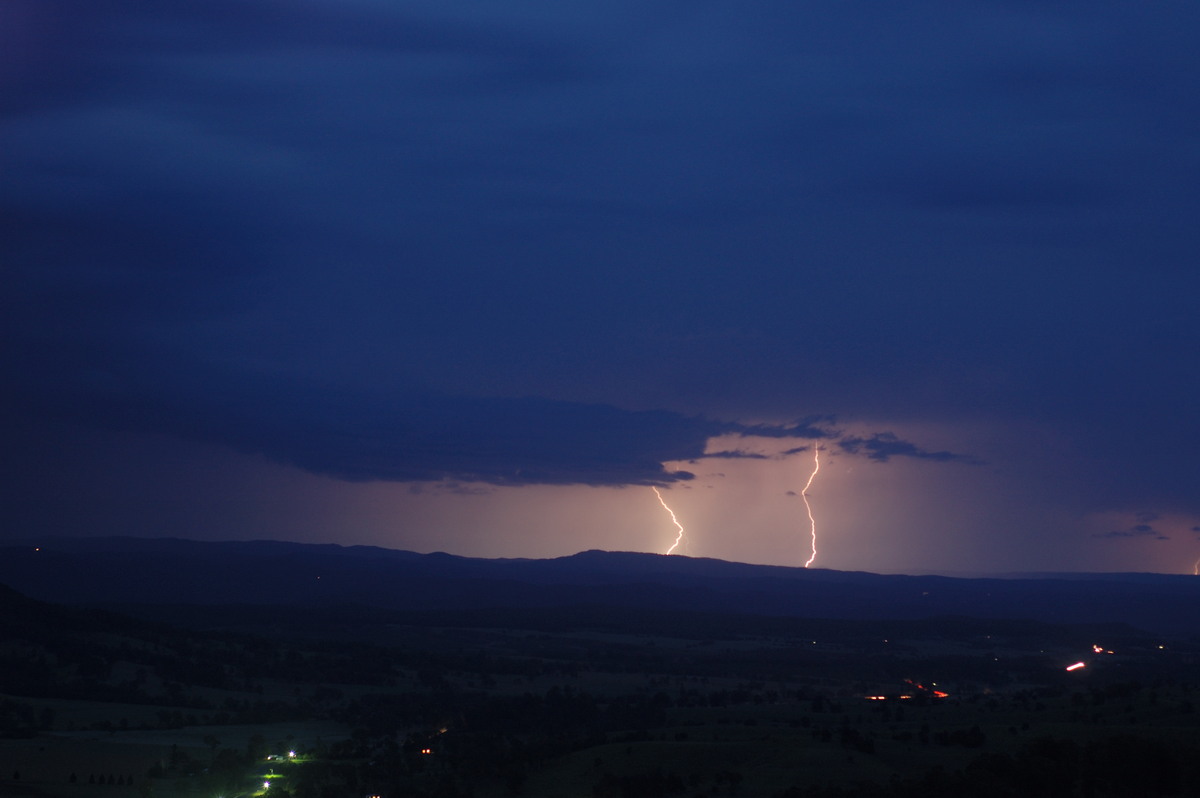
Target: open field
{"points": [[79, 763], [548, 703]]}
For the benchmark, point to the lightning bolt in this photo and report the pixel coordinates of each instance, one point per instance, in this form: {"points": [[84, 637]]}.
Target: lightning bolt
{"points": [[674, 520], [808, 507]]}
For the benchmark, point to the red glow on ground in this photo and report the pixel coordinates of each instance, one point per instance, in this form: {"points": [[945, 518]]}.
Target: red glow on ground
{"points": [[928, 691]]}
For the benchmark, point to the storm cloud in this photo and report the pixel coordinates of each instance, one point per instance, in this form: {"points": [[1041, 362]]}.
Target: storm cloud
{"points": [[529, 243]]}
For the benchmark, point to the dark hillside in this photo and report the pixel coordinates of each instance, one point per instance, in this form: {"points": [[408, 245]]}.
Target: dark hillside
{"points": [[127, 571]]}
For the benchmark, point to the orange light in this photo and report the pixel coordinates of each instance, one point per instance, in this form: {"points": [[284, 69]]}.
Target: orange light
{"points": [[1076, 666]]}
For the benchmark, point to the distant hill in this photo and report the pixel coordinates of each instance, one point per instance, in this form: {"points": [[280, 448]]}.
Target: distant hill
{"points": [[133, 571]]}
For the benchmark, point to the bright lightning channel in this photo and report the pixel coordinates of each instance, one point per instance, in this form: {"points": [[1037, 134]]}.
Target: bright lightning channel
{"points": [[674, 520], [808, 507]]}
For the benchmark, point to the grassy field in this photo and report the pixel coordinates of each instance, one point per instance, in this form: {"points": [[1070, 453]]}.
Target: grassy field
{"points": [[47, 763], [688, 706]]}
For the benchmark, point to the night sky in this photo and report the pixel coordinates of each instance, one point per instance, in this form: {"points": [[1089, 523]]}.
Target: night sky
{"points": [[474, 276]]}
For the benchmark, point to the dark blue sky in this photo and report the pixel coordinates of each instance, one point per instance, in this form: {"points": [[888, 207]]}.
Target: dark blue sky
{"points": [[471, 276]]}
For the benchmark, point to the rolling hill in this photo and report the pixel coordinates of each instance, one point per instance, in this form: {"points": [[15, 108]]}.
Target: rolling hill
{"points": [[123, 572]]}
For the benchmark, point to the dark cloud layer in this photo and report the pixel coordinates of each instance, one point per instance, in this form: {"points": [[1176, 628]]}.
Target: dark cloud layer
{"points": [[883, 446], [403, 435], [531, 242], [1135, 531]]}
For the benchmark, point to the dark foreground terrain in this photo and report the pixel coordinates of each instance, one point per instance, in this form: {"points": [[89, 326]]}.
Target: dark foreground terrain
{"points": [[619, 698]]}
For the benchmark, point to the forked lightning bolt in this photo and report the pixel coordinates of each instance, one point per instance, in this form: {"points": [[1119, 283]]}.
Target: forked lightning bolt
{"points": [[674, 520], [804, 495]]}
